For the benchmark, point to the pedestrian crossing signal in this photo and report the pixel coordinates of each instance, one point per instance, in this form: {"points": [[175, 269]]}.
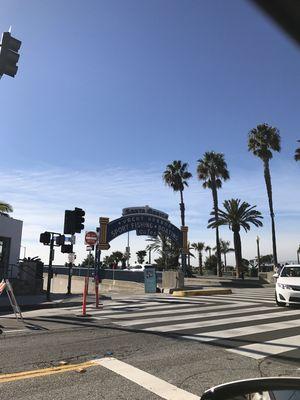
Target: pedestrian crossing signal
{"points": [[67, 248], [9, 55], [45, 238]]}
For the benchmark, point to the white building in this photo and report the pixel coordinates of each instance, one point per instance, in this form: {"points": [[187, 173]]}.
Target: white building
{"points": [[10, 242]]}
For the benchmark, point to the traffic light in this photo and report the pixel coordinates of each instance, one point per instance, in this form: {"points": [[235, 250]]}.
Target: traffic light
{"points": [[67, 248], [45, 238], [79, 219], [9, 54], [74, 221], [60, 240]]}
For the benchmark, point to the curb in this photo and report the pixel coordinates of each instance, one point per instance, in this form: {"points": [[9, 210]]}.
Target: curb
{"points": [[200, 292], [54, 304]]}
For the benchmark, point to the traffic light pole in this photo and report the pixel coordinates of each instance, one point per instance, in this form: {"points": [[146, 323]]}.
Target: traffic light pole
{"points": [[50, 270], [69, 278]]}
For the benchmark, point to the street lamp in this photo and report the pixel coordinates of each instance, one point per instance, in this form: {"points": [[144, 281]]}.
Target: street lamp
{"points": [[24, 247], [258, 253]]}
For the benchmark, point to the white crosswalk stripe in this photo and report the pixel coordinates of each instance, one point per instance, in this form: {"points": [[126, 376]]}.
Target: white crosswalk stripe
{"points": [[246, 323]]}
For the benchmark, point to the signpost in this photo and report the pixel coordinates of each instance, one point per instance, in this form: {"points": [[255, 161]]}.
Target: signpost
{"points": [[91, 238]]}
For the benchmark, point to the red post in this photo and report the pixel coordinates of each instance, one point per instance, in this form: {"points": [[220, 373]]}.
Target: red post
{"points": [[85, 292], [97, 291]]}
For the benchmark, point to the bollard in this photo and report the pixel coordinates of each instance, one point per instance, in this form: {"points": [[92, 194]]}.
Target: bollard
{"points": [[97, 291], [85, 292]]}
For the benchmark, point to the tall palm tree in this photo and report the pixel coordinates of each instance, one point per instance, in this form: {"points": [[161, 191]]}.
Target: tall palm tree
{"points": [[5, 207], [297, 153], [262, 140], [212, 169], [237, 214], [176, 176], [225, 248], [199, 247], [208, 248]]}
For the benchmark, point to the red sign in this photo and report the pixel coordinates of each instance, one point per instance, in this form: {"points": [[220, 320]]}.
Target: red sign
{"points": [[91, 238]]}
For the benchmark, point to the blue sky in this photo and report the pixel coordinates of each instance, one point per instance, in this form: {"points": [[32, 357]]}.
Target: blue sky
{"points": [[109, 92]]}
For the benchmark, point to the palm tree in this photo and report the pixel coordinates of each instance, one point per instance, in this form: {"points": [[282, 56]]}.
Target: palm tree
{"points": [[225, 248], [297, 153], [199, 247], [168, 250], [261, 141], [176, 176], [212, 169], [208, 248], [237, 214], [5, 207]]}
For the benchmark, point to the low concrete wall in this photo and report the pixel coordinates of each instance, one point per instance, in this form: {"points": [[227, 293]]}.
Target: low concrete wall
{"points": [[172, 280], [118, 274], [59, 284]]}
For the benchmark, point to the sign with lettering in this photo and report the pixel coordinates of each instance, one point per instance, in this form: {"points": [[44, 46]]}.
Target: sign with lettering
{"points": [[144, 224], [144, 210]]}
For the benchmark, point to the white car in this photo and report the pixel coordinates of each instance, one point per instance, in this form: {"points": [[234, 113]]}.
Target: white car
{"points": [[287, 289]]}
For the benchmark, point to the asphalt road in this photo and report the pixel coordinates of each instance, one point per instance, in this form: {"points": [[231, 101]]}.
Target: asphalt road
{"points": [[191, 366]]}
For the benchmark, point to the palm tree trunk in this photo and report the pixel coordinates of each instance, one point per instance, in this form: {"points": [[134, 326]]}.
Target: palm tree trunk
{"points": [[267, 176], [237, 251], [225, 262], [200, 263], [215, 200], [182, 209]]}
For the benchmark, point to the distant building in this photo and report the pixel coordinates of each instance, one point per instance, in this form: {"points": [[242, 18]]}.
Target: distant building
{"points": [[10, 242]]}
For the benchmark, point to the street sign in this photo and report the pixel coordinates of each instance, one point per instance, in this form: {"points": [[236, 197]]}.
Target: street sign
{"points": [[89, 248], [71, 258], [91, 238]]}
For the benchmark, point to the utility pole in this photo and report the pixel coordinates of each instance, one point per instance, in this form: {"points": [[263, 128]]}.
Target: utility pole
{"points": [[258, 254]]}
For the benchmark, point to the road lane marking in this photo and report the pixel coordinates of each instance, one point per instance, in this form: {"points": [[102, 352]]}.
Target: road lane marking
{"points": [[269, 348], [163, 389], [196, 315], [179, 310], [36, 373], [244, 331], [150, 382], [225, 321]]}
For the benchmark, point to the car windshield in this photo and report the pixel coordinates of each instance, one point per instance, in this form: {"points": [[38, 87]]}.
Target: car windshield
{"points": [[290, 272]]}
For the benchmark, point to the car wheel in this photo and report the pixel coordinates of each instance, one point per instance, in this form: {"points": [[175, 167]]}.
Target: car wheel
{"points": [[279, 303]]}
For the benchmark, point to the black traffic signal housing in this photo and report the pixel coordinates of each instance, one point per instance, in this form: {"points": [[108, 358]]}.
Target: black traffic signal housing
{"points": [[60, 240], [9, 55], [79, 219], [67, 248], [45, 238], [74, 221], [69, 222]]}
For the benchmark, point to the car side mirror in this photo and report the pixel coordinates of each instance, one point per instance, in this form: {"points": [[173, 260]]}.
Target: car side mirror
{"points": [[277, 388]]}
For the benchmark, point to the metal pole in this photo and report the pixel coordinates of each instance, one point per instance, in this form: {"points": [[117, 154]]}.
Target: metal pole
{"points": [[69, 278], [149, 256], [298, 257], [258, 253], [128, 250], [95, 262], [50, 271]]}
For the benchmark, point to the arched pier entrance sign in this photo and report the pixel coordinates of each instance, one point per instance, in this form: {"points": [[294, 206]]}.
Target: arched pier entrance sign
{"points": [[145, 221]]}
